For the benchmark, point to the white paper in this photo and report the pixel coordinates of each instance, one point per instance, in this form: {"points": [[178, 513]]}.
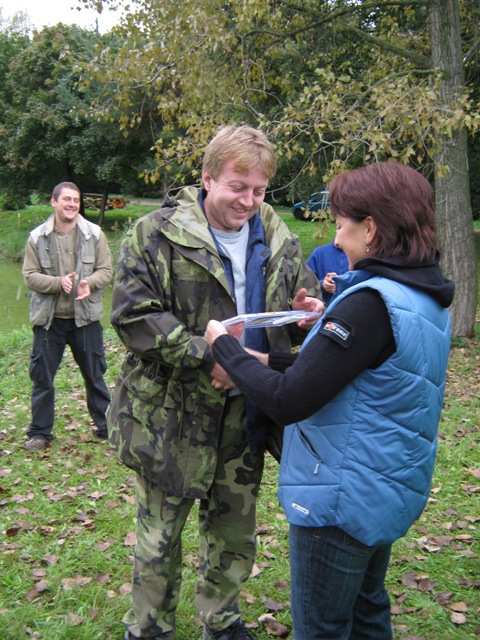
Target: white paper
{"points": [[271, 318]]}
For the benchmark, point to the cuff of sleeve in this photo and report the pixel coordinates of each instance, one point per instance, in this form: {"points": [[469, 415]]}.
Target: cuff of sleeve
{"points": [[226, 346], [208, 360]]}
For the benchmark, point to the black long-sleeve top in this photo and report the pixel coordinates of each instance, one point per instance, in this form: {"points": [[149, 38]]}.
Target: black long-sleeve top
{"points": [[322, 369], [292, 389]]}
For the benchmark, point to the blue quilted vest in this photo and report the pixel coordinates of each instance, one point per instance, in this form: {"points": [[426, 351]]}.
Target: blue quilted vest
{"points": [[364, 462]]}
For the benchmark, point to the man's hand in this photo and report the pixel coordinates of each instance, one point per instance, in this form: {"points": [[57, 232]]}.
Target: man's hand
{"points": [[220, 378], [83, 290], [67, 282], [302, 302]]}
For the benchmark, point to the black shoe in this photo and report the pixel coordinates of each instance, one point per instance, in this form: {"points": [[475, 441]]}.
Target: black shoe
{"points": [[236, 631], [101, 434]]}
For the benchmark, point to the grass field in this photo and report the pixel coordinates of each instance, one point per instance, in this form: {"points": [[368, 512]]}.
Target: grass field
{"points": [[68, 518]]}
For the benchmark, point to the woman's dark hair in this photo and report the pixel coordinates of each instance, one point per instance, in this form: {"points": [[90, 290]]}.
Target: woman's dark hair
{"points": [[399, 200]]}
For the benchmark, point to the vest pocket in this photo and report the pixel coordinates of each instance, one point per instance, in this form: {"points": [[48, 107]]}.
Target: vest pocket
{"points": [[298, 447], [308, 444], [88, 262]]}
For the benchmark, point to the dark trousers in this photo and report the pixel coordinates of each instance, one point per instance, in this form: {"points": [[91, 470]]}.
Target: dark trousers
{"points": [[86, 344]]}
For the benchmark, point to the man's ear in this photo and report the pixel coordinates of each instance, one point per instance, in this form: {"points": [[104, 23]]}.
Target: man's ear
{"points": [[207, 181]]}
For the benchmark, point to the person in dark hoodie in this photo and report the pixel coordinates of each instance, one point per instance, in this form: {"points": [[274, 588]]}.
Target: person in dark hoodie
{"points": [[362, 401]]}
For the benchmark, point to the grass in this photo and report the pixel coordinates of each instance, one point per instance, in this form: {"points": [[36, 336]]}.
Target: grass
{"points": [[68, 518]]}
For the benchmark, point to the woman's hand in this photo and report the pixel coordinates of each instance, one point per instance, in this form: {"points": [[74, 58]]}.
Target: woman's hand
{"points": [[215, 329]]}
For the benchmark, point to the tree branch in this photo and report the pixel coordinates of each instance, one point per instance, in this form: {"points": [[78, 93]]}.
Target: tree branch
{"points": [[418, 58]]}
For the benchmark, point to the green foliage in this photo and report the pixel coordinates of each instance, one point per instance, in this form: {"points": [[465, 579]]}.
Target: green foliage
{"points": [[13, 201], [48, 132], [334, 84]]}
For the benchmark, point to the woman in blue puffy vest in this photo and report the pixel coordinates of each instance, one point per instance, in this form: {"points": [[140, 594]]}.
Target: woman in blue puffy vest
{"points": [[362, 402]]}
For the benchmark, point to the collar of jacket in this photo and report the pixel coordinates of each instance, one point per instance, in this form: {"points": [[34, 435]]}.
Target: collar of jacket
{"points": [[85, 227]]}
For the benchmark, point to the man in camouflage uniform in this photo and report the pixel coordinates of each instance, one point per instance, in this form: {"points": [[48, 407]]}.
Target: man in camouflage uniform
{"points": [[175, 419]]}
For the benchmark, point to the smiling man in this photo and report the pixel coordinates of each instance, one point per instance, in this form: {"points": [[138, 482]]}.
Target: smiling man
{"points": [[175, 417], [67, 264]]}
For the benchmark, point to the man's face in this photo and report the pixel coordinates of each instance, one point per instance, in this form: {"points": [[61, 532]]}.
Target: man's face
{"points": [[233, 197], [67, 206]]}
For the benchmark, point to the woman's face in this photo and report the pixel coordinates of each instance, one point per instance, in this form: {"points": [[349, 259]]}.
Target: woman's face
{"points": [[354, 237]]}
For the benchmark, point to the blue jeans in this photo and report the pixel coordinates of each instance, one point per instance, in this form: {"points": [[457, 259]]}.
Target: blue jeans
{"points": [[86, 344], [337, 586]]}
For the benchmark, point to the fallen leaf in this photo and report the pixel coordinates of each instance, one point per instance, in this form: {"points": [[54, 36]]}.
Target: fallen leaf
{"points": [[42, 585], [50, 559], [262, 529], [271, 605], [31, 595], [130, 539], [272, 626], [72, 583], [458, 618], [73, 620], [281, 584], [417, 581]]}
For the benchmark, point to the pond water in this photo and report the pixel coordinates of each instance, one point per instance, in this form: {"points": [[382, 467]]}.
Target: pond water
{"points": [[15, 298]]}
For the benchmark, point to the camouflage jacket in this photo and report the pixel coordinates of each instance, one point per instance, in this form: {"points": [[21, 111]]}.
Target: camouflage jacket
{"points": [[165, 415]]}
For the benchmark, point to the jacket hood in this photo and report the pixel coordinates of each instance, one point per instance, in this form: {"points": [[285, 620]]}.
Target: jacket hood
{"points": [[425, 276]]}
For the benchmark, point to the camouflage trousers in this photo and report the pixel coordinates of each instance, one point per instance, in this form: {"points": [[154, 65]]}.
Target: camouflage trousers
{"points": [[227, 541]]}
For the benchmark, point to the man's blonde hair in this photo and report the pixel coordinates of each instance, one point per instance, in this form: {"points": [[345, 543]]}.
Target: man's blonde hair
{"points": [[246, 146]]}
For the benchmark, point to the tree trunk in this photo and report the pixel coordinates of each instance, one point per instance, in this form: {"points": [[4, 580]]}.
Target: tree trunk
{"points": [[103, 206], [452, 191]]}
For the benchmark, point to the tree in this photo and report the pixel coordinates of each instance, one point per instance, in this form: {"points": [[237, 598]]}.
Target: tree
{"points": [[13, 39], [336, 83], [452, 189], [47, 132]]}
